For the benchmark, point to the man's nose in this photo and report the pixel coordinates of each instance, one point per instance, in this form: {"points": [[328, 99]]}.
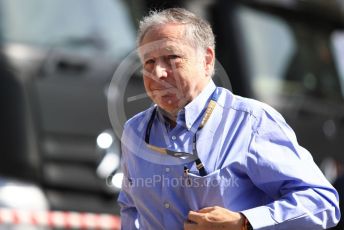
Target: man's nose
{"points": [[160, 69]]}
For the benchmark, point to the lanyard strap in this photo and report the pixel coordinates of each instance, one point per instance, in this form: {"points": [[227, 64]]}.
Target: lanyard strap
{"points": [[210, 108]]}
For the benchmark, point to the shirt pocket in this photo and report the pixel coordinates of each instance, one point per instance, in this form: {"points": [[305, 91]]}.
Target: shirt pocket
{"points": [[203, 191]]}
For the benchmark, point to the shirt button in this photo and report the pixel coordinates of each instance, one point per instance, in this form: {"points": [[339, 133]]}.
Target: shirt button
{"points": [[174, 137], [167, 169], [167, 205]]}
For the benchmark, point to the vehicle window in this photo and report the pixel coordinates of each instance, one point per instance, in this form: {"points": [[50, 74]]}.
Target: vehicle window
{"points": [[282, 59], [87, 25]]}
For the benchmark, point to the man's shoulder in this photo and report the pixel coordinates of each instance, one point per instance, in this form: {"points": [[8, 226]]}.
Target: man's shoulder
{"points": [[257, 109], [139, 119], [263, 115], [134, 127], [240, 104]]}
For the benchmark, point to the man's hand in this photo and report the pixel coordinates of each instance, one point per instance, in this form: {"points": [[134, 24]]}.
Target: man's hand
{"points": [[214, 218]]}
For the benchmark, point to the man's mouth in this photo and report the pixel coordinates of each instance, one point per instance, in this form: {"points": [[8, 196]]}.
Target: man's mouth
{"points": [[164, 91]]}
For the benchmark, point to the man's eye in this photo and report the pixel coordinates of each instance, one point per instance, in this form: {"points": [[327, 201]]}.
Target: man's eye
{"points": [[173, 56], [149, 62]]}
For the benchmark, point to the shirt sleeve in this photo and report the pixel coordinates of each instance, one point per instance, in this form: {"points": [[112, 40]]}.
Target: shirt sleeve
{"points": [[278, 165], [128, 211]]}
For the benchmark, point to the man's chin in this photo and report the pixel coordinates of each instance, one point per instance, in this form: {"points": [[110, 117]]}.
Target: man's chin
{"points": [[169, 100]]}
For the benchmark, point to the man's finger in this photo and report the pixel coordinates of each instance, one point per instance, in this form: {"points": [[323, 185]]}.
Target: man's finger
{"points": [[205, 210], [189, 225], [196, 217]]}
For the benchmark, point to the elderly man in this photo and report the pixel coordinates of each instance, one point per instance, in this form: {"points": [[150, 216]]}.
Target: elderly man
{"points": [[203, 158]]}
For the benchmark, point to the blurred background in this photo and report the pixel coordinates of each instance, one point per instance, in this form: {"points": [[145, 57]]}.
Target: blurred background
{"points": [[58, 57]]}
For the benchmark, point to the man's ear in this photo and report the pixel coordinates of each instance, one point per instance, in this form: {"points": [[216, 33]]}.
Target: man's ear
{"points": [[209, 61]]}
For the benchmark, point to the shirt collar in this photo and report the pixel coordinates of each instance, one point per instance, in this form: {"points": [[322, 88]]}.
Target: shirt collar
{"points": [[189, 114], [197, 105]]}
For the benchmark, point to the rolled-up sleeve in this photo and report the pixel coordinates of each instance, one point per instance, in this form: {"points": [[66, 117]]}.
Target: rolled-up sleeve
{"points": [[278, 165]]}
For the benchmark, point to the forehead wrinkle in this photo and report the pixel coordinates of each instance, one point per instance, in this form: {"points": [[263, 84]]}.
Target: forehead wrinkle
{"points": [[162, 50]]}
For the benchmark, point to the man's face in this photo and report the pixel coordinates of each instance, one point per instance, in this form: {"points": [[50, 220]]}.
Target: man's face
{"points": [[174, 71]]}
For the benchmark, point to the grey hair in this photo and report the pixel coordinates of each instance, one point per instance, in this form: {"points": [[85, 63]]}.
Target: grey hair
{"points": [[198, 31]]}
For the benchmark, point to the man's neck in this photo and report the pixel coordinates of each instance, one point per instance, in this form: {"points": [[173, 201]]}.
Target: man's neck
{"points": [[170, 118]]}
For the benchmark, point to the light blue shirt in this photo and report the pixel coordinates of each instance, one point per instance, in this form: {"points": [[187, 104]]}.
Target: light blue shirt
{"points": [[254, 163]]}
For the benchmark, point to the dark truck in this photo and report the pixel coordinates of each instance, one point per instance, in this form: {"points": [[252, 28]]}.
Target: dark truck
{"points": [[57, 59]]}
